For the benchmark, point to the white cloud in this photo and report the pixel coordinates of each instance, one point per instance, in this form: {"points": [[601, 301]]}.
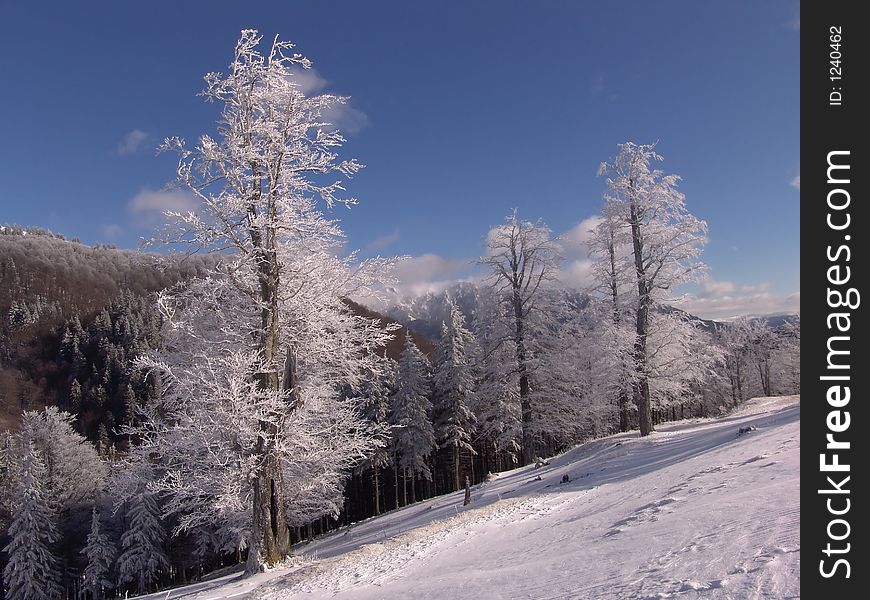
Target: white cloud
{"points": [[573, 241], [343, 116], [428, 268], [417, 275], [308, 80], [131, 142], [713, 288], [111, 231], [796, 182], [148, 206], [382, 242], [577, 273], [755, 289], [723, 300], [346, 118]]}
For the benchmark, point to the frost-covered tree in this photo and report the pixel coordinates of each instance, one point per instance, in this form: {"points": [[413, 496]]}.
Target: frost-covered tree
{"points": [[142, 559], [666, 243], [788, 358], [100, 554], [259, 353], [682, 357], [521, 257], [497, 406], [74, 473], [453, 384], [608, 246], [735, 338], [32, 571], [557, 382], [413, 434], [375, 395]]}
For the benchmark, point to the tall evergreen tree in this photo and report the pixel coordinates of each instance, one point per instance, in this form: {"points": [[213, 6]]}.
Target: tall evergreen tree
{"points": [[498, 408], [100, 553], [413, 434], [454, 389], [142, 559], [32, 571]]}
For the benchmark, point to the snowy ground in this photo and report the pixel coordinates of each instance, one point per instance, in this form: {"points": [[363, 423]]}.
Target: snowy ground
{"points": [[693, 511]]}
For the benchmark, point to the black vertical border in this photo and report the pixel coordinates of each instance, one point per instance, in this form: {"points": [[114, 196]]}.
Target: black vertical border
{"points": [[826, 128]]}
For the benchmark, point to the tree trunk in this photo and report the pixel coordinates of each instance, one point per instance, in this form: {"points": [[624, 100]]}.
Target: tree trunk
{"points": [[456, 484], [271, 539], [405, 486], [377, 493], [624, 423], [641, 389], [270, 524]]}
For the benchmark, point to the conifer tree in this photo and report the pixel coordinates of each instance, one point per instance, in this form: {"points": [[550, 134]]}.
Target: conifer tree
{"points": [[142, 559], [413, 435], [32, 570], [454, 389], [100, 553]]}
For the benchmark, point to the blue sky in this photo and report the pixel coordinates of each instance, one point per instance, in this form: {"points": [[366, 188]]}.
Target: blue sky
{"points": [[461, 111]]}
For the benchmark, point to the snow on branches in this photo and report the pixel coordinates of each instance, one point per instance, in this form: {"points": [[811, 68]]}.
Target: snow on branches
{"points": [[260, 355]]}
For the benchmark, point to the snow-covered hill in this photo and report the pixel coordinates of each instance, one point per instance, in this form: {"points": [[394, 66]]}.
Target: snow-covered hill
{"points": [[694, 511]]}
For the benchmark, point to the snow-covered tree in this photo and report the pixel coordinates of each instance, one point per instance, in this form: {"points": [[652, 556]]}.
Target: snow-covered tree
{"points": [[375, 397], [788, 358], [142, 559], [453, 384], [32, 571], [608, 246], [413, 434], [666, 243], [735, 338], [100, 553], [261, 351], [74, 473], [682, 357], [557, 378], [497, 406], [521, 257]]}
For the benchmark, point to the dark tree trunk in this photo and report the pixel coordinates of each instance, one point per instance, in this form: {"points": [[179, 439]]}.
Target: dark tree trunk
{"points": [[456, 484], [271, 539], [641, 389], [377, 491]]}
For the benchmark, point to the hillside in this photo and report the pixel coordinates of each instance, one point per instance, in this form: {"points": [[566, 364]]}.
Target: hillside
{"points": [[694, 511], [98, 299], [96, 296]]}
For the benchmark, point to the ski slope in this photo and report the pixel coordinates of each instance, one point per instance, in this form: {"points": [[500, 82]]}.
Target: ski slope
{"points": [[693, 511]]}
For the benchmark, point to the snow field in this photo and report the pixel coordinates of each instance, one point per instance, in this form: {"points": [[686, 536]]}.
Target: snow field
{"points": [[693, 511]]}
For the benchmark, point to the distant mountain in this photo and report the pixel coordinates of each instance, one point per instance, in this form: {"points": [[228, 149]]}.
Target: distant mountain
{"points": [[50, 286], [394, 348], [73, 317]]}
